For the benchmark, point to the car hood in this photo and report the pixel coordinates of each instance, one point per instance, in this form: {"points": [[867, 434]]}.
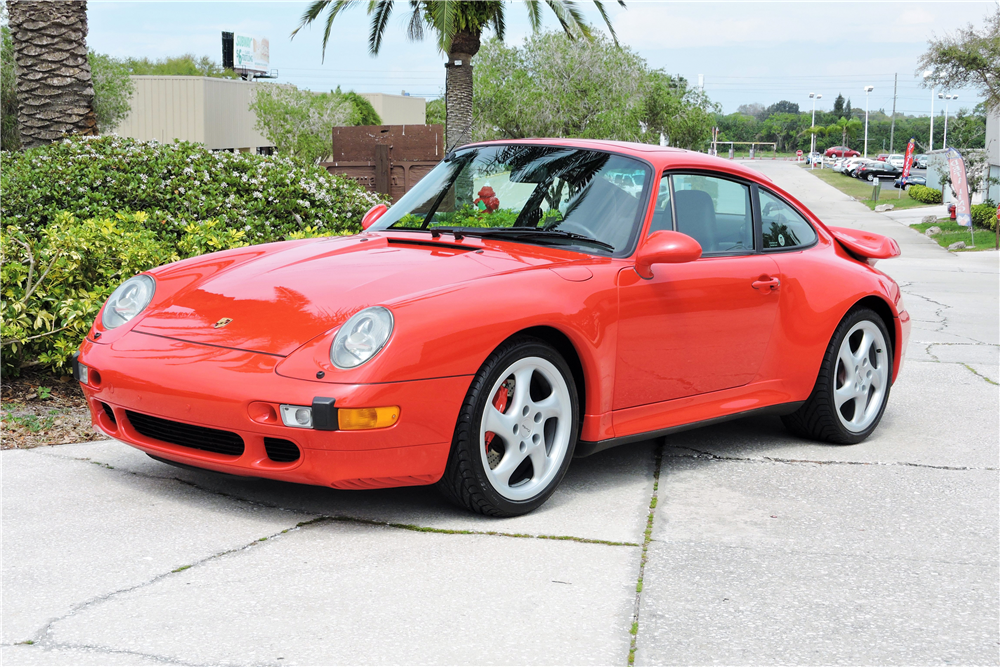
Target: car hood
{"points": [[283, 298]]}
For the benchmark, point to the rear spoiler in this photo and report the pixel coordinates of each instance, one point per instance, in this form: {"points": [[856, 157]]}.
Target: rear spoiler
{"points": [[866, 246]]}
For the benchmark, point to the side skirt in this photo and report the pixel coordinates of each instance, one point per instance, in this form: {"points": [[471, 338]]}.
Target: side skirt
{"points": [[584, 448]]}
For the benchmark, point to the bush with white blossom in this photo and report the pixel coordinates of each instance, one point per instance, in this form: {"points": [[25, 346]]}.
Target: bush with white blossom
{"points": [[177, 184]]}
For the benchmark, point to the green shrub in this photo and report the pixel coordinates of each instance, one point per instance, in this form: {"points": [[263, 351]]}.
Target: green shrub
{"points": [[924, 194], [177, 184], [984, 215], [54, 284]]}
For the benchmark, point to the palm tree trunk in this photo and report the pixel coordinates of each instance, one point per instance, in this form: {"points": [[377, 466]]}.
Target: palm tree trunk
{"points": [[54, 90], [458, 88]]}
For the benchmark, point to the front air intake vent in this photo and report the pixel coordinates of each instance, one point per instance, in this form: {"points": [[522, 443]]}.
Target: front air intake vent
{"points": [[281, 451], [186, 435]]}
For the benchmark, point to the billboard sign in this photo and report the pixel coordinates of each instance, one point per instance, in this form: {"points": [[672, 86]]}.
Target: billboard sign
{"points": [[251, 53]]}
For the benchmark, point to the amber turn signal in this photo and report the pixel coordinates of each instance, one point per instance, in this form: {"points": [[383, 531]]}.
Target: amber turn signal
{"points": [[357, 419]]}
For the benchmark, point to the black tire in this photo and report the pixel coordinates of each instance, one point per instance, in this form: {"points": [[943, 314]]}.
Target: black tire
{"points": [[465, 482], [817, 418]]}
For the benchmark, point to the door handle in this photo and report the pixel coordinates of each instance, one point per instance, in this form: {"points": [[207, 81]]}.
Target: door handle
{"points": [[766, 283]]}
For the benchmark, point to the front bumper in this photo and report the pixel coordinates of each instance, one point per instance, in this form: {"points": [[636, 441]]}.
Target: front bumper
{"points": [[223, 389]]}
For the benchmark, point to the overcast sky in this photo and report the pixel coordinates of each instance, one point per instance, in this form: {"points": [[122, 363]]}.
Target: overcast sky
{"points": [[747, 51]]}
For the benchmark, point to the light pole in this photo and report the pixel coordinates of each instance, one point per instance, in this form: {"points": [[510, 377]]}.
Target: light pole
{"points": [[812, 143], [868, 89], [947, 99], [930, 146]]}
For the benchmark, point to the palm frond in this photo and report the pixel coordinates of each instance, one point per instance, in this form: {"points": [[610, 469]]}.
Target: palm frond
{"points": [[312, 11], [570, 18], [499, 24], [443, 19], [415, 29], [381, 9], [607, 19], [534, 14]]}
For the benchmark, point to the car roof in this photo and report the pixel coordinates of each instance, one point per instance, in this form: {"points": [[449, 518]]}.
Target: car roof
{"points": [[661, 157]]}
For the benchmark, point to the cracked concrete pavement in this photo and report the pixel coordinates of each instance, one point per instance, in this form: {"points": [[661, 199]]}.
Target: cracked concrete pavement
{"points": [[761, 547]]}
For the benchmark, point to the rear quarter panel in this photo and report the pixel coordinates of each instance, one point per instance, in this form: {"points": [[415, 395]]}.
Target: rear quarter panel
{"points": [[819, 286]]}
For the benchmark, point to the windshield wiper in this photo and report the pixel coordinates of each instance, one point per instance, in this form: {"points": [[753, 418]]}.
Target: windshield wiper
{"points": [[525, 233]]}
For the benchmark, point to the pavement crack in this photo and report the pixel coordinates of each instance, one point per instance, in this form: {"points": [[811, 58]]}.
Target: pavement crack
{"points": [[42, 636], [647, 538], [461, 531], [698, 454], [980, 375], [58, 646]]}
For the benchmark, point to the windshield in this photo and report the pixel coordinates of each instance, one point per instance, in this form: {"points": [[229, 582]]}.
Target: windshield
{"points": [[536, 194]]}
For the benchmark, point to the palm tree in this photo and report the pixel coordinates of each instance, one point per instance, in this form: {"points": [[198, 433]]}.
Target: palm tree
{"points": [[847, 127], [54, 91], [459, 26]]}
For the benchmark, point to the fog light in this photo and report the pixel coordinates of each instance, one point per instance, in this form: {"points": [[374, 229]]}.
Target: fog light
{"points": [[84, 374], [356, 419], [297, 416]]}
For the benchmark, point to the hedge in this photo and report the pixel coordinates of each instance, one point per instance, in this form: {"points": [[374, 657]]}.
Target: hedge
{"points": [[924, 194], [176, 184], [82, 215], [984, 215]]}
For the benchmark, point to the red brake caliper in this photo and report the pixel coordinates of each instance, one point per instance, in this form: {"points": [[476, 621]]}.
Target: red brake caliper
{"points": [[500, 403]]}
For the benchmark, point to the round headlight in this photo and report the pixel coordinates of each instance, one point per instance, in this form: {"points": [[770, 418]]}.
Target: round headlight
{"points": [[361, 337], [128, 301]]}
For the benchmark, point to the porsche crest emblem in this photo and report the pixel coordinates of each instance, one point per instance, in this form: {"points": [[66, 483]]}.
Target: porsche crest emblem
{"points": [[221, 323]]}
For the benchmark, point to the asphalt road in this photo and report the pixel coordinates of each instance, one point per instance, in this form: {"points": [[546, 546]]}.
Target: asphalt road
{"points": [[765, 549]]}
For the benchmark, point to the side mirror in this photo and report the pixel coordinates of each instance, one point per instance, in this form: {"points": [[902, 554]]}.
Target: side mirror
{"points": [[373, 214], [665, 247]]}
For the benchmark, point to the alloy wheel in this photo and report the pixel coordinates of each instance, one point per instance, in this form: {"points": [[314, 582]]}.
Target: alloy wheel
{"points": [[525, 428]]}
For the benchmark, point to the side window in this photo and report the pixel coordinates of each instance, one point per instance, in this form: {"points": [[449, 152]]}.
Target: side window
{"points": [[715, 212], [783, 226], [662, 214]]}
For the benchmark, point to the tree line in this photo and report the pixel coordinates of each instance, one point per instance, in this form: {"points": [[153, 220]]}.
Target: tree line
{"points": [[792, 129]]}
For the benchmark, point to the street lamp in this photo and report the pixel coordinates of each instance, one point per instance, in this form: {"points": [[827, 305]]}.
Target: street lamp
{"points": [[812, 148], [868, 89], [946, 98], [927, 74]]}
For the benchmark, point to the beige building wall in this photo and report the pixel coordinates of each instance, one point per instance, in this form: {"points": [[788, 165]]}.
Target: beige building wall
{"points": [[215, 112], [398, 109]]}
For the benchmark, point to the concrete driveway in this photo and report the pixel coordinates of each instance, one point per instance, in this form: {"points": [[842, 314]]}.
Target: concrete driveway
{"points": [[764, 549]]}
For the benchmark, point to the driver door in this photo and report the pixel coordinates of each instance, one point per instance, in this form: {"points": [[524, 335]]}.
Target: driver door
{"points": [[702, 326]]}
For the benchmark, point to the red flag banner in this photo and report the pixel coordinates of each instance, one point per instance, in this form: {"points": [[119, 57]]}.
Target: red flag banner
{"points": [[960, 186], [908, 160]]}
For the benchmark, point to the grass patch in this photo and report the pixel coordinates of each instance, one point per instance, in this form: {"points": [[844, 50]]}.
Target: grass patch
{"points": [[952, 232], [862, 190]]}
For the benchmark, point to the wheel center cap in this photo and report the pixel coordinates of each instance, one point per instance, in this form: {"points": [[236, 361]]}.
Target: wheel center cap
{"points": [[526, 427]]}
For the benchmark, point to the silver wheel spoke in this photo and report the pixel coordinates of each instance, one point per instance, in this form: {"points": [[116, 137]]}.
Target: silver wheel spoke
{"points": [[499, 423], [539, 460], [549, 407], [511, 460], [847, 359], [844, 394]]}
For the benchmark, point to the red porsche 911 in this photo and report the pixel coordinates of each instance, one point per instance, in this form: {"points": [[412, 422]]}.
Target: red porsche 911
{"points": [[526, 302]]}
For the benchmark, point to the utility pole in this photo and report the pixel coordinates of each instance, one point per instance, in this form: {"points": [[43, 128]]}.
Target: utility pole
{"points": [[892, 128]]}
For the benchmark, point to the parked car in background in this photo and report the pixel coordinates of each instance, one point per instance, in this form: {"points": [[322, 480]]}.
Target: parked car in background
{"points": [[908, 181], [920, 161], [814, 158], [882, 157], [841, 151], [896, 160], [875, 169], [852, 164]]}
